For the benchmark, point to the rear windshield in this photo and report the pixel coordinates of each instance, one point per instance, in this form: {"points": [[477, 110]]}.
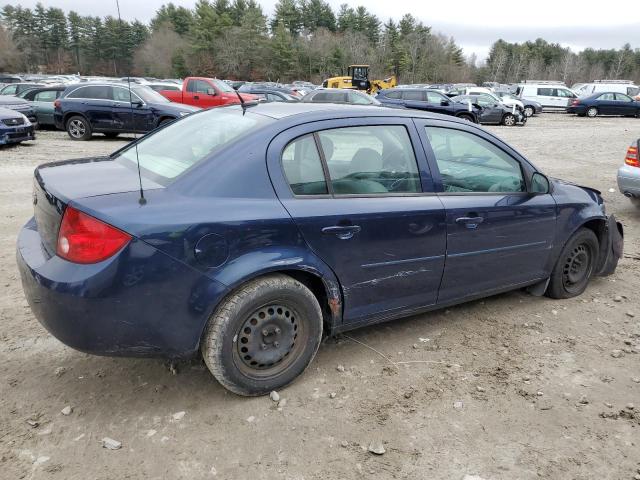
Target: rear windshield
{"points": [[170, 152]]}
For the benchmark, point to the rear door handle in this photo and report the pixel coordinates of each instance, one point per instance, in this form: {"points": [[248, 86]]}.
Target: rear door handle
{"points": [[470, 222], [196, 97], [343, 232]]}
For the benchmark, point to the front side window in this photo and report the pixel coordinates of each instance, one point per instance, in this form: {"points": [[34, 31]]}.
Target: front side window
{"points": [[303, 168], [122, 95], [565, 93], [469, 163], [413, 95], [46, 96], [435, 98], [330, 97], [9, 90], [359, 99], [607, 97], [370, 160], [198, 86]]}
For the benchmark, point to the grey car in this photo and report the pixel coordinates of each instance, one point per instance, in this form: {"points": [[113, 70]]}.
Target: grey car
{"points": [[629, 174], [493, 113], [531, 107]]}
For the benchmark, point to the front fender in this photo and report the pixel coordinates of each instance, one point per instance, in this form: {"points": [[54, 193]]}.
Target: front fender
{"points": [[257, 263]]}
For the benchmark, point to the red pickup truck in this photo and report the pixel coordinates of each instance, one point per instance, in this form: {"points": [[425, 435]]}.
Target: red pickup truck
{"points": [[205, 93]]}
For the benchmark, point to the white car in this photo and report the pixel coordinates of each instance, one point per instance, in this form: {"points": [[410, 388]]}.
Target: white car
{"points": [[619, 86], [551, 95]]}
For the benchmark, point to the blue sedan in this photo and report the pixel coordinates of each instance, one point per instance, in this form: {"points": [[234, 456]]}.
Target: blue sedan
{"points": [[607, 103], [253, 232], [15, 127]]}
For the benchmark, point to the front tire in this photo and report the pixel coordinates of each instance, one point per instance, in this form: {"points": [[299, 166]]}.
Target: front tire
{"points": [[529, 111], [263, 336], [509, 120], [78, 128], [467, 117], [592, 112], [575, 265]]}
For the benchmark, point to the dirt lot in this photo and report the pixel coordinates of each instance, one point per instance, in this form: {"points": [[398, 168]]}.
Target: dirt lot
{"points": [[512, 387]]}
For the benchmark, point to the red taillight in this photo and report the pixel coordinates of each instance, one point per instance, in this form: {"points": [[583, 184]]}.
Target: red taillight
{"points": [[84, 239], [56, 103], [575, 102], [632, 157]]}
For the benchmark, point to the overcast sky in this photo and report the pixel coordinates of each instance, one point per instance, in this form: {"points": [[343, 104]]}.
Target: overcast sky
{"points": [[475, 25]]}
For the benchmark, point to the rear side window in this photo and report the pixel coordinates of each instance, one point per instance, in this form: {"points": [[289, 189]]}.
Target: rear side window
{"points": [[370, 160], [394, 95], [303, 168], [633, 91], [329, 97], [545, 92], [469, 163], [9, 90], [97, 92], [413, 95]]}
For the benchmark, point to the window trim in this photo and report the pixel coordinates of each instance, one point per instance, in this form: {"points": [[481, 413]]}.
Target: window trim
{"points": [[327, 175]]}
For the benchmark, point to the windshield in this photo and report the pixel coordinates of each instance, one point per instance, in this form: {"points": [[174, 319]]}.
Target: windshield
{"points": [[222, 86], [148, 95], [171, 151]]}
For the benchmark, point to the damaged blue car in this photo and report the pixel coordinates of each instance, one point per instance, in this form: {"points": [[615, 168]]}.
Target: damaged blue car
{"points": [[247, 233], [15, 127]]}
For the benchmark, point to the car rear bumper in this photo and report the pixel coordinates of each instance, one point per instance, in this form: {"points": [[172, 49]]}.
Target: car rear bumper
{"points": [[138, 303], [629, 181], [9, 135]]}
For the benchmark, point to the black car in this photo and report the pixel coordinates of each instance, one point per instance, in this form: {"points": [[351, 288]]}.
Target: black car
{"points": [[21, 106], [18, 88], [492, 113], [112, 109], [607, 103], [429, 100], [269, 94]]}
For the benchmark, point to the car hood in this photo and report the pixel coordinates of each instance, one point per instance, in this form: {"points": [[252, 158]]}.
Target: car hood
{"points": [[6, 100], [594, 194], [174, 107], [6, 113]]}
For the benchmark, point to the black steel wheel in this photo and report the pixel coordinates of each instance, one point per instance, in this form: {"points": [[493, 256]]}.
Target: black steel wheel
{"points": [[263, 336], [575, 265]]}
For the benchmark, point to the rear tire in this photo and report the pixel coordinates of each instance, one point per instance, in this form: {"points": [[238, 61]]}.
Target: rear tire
{"points": [[509, 120], [78, 128], [575, 265], [592, 112], [263, 336], [467, 117]]}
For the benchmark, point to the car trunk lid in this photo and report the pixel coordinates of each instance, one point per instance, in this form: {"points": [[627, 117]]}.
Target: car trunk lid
{"points": [[56, 184]]}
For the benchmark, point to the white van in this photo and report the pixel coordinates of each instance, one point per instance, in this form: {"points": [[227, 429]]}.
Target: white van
{"points": [[619, 86], [550, 94]]}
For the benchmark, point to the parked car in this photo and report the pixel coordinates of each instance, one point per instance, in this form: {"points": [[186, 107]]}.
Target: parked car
{"points": [[267, 94], [206, 93], [167, 86], [493, 112], [429, 100], [21, 106], [607, 103], [112, 109], [15, 127], [41, 99], [629, 174], [551, 95], [292, 90], [618, 86], [339, 95], [266, 227], [530, 107], [509, 101], [6, 79], [18, 88]]}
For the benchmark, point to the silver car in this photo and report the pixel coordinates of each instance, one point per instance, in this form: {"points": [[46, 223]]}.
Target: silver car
{"points": [[629, 174]]}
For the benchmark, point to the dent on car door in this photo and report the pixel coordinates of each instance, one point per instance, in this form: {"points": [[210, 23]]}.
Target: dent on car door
{"points": [[498, 235], [356, 194]]}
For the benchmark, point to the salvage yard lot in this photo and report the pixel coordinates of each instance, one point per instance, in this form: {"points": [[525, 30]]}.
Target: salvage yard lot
{"points": [[511, 387]]}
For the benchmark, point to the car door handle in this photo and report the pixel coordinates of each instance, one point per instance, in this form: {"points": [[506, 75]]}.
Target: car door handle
{"points": [[343, 232], [196, 97], [470, 222]]}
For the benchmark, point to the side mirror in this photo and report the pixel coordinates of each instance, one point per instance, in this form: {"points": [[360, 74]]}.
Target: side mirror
{"points": [[137, 103], [540, 184], [211, 91], [445, 103]]}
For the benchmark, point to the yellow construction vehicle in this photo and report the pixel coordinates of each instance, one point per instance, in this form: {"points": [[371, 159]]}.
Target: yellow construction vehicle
{"points": [[358, 79]]}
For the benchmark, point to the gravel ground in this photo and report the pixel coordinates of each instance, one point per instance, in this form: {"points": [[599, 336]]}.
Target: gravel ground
{"points": [[512, 387]]}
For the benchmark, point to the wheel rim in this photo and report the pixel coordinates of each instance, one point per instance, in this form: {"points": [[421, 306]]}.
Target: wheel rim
{"points": [[577, 267], [592, 112], [77, 128], [269, 341], [528, 111], [509, 120]]}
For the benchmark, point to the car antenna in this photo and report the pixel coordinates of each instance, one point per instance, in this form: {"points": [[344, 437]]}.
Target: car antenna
{"points": [[244, 107], [141, 200]]}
